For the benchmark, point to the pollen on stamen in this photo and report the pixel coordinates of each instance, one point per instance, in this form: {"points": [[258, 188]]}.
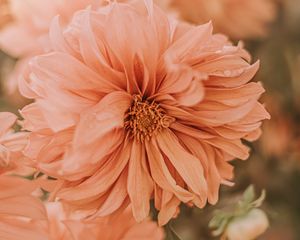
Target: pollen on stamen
{"points": [[144, 119]]}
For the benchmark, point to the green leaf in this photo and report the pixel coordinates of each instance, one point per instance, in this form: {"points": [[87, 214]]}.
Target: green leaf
{"points": [[218, 218], [221, 228], [258, 202], [249, 194], [219, 222]]}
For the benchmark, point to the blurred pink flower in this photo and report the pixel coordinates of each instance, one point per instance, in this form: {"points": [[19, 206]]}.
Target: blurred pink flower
{"points": [[24, 28], [65, 225], [22, 216], [237, 18], [5, 16], [277, 140], [27, 33], [11, 145], [125, 114]]}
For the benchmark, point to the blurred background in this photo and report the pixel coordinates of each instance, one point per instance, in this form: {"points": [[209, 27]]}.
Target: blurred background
{"points": [[275, 161]]}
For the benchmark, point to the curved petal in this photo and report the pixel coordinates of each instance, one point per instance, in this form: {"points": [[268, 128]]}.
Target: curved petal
{"points": [[102, 180], [161, 174], [235, 148], [168, 211], [140, 184], [46, 68], [18, 42], [187, 165], [7, 120], [103, 118], [116, 196]]}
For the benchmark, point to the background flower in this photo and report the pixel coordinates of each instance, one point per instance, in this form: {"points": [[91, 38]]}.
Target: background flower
{"points": [[5, 16], [53, 221], [22, 216], [66, 225], [27, 33], [11, 145], [239, 19], [24, 31]]}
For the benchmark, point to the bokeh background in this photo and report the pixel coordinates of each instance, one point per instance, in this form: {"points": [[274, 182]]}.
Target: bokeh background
{"points": [[275, 161]]}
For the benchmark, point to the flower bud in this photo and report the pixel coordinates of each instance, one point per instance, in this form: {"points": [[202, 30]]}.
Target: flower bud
{"points": [[247, 227]]}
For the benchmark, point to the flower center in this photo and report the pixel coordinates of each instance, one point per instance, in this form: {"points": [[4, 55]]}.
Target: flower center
{"points": [[144, 118]]}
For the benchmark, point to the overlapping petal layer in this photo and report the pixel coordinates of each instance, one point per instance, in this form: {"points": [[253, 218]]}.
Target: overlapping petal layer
{"points": [[65, 225], [24, 29], [11, 145], [23, 216]]}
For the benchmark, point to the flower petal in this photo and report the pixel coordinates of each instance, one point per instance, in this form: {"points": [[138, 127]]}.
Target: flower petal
{"points": [[140, 184], [186, 164], [161, 173]]}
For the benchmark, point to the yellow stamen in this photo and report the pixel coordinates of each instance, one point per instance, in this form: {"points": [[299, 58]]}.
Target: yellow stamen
{"points": [[144, 119]]}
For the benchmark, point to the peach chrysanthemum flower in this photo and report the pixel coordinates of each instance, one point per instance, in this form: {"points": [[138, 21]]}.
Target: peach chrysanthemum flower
{"points": [[239, 19], [51, 221], [65, 225], [27, 32], [11, 144], [131, 106], [24, 28], [22, 216]]}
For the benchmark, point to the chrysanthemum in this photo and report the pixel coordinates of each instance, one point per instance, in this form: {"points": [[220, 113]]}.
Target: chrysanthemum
{"points": [[65, 225], [24, 28], [132, 106], [22, 216], [236, 18], [27, 31], [11, 144]]}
